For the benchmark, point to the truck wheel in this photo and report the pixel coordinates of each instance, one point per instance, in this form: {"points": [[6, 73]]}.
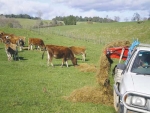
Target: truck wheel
{"points": [[116, 99]]}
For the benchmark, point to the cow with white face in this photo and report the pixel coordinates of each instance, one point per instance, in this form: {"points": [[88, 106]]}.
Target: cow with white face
{"points": [[11, 51], [21, 44]]}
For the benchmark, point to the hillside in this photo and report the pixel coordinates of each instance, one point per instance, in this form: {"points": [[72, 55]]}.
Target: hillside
{"points": [[106, 32], [97, 32]]}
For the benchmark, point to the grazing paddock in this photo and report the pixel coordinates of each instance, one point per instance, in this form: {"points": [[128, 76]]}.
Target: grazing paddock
{"points": [[30, 86]]}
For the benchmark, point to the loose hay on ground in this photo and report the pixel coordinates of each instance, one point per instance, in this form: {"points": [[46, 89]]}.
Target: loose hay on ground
{"points": [[84, 67], [91, 94], [103, 94]]}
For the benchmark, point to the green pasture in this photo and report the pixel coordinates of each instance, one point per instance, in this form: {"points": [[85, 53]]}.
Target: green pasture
{"points": [[102, 33], [30, 86]]}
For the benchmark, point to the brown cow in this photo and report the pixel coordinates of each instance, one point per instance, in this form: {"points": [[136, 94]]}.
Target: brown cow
{"points": [[18, 40], [79, 51], [59, 52], [37, 42], [15, 38]]}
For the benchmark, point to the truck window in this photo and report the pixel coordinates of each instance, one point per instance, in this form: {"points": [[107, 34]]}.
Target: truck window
{"points": [[141, 63]]}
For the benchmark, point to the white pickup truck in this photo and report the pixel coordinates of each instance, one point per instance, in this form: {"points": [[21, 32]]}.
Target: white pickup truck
{"points": [[132, 82]]}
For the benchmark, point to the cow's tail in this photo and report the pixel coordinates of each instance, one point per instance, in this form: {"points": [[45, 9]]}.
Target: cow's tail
{"points": [[44, 51], [43, 54]]}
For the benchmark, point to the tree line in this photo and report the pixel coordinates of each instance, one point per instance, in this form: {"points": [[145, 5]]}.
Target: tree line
{"points": [[9, 20], [71, 20], [19, 16]]}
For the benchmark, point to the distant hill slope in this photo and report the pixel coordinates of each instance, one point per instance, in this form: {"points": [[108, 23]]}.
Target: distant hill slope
{"points": [[104, 33], [101, 33], [29, 22]]}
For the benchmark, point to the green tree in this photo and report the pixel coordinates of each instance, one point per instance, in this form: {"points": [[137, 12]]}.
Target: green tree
{"points": [[70, 20], [136, 17]]}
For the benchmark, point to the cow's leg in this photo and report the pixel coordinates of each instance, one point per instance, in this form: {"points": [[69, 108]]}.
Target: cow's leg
{"points": [[17, 55], [39, 48], [66, 63], [14, 57], [21, 48], [49, 59], [29, 47], [83, 57], [8, 54], [9, 57], [36, 47], [62, 62]]}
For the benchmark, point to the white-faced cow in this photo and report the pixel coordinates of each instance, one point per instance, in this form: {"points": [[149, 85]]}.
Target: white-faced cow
{"points": [[79, 51], [59, 52], [37, 42], [21, 43], [11, 51]]}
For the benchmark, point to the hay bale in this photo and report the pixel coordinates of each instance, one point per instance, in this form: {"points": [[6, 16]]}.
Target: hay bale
{"points": [[92, 94], [103, 72], [105, 65], [118, 44], [104, 93]]}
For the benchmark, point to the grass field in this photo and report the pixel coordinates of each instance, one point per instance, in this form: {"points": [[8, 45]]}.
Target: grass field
{"points": [[30, 86]]}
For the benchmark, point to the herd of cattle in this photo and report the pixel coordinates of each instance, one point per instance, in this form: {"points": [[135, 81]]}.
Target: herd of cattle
{"points": [[13, 43]]}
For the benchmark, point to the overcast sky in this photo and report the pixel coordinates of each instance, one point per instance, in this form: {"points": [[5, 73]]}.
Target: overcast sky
{"points": [[85, 8]]}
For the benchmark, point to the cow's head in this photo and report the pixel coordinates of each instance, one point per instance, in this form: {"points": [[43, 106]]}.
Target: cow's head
{"points": [[74, 61], [7, 41], [7, 37], [20, 42]]}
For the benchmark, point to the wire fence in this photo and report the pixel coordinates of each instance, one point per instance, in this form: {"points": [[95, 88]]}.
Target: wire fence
{"points": [[92, 38], [76, 37]]}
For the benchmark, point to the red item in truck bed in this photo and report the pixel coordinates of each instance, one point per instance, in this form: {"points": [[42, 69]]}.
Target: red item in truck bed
{"points": [[116, 52]]}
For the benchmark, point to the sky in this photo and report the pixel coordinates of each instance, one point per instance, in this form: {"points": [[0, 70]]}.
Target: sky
{"points": [[49, 9]]}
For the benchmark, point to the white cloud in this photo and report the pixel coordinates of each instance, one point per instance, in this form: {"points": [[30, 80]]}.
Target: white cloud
{"points": [[89, 8]]}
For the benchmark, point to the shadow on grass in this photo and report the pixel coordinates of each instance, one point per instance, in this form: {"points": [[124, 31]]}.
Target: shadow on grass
{"points": [[59, 65], [19, 58], [22, 58]]}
